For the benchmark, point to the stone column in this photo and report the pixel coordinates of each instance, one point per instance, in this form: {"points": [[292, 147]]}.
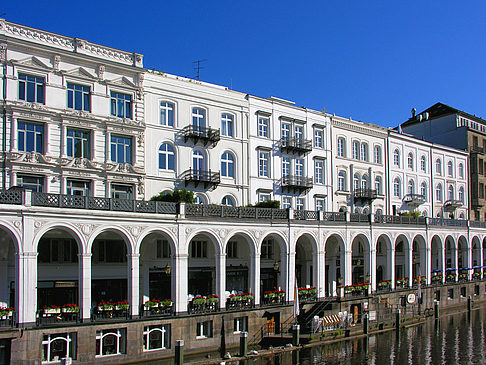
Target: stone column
{"points": [[392, 268], [288, 280], [255, 277], [180, 276], [372, 267], [428, 266], [13, 135], [134, 283], [321, 274], [410, 265], [481, 257], [85, 285], [456, 262], [348, 267], [470, 260], [443, 262], [221, 279], [26, 288]]}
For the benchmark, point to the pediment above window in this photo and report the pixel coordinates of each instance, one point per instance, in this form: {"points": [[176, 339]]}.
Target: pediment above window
{"points": [[32, 63]]}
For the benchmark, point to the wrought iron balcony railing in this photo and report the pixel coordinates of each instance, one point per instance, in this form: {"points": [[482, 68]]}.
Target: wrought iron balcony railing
{"points": [[414, 199], [207, 136], [452, 204], [476, 149], [364, 194], [296, 145], [296, 183], [206, 177]]}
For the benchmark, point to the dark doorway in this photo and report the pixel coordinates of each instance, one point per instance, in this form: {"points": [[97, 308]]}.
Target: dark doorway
{"points": [[159, 285], [200, 281], [112, 290], [5, 351]]}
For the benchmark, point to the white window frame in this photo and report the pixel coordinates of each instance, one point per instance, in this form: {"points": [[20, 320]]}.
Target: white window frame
{"points": [[341, 147], [318, 171], [119, 335], [164, 108], [341, 181], [318, 138], [163, 330], [423, 163], [263, 127], [204, 329], [364, 151], [263, 163], [377, 154], [51, 337], [356, 150], [397, 190], [396, 157], [227, 125]]}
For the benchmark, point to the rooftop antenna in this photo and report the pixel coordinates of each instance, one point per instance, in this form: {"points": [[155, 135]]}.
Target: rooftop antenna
{"points": [[197, 67]]}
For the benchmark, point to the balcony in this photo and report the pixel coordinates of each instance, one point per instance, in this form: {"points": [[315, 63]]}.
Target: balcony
{"points": [[476, 149], [207, 136], [414, 200], [296, 183], [196, 177], [364, 194], [296, 145], [452, 204]]}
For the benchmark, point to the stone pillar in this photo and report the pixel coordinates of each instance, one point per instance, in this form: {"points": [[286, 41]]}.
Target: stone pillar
{"points": [[26, 288], [392, 268], [180, 275], [470, 260], [221, 279], [288, 280], [481, 257], [348, 267], [372, 272], [321, 274], [85, 285], [456, 262], [13, 135], [428, 265], [134, 283], [255, 277], [410, 265], [443, 262]]}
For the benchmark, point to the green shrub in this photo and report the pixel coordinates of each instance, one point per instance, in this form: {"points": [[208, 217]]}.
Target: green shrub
{"points": [[268, 204], [176, 196]]}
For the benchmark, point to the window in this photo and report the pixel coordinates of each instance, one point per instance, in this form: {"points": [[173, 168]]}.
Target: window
{"points": [[285, 166], [450, 169], [167, 113], [286, 202], [121, 105], [461, 194], [438, 167], [31, 88], [227, 165], [57, 250], [356, 181], [199, 199], [77, 187], [156, 337], [299, 204], [320, 204], [240, 324], [342, 181], [378, 184], [199, 249], [227, 125], [438, 192], [364, 182], [461, 171], [356, 150], [121, 149], [263, 127], [423, 190], [423, 164], [232, 250], [119, 191], [30, 137], [299, 133], [451, 192], [56, 346], [79, 97], [111, 342], [263, 170], [285, 132], [204, 329], [163, 249], [396, 158], [411, 187], [263, 197], [377, 154], [318, 138], [341, 144], [299, 167], [198, 119], [198, 163], [227, 200], [410, 161], [34, 183], [319, 172], [78, 143], [364, 151], [166, 157], [267, 249], [397, 188]]}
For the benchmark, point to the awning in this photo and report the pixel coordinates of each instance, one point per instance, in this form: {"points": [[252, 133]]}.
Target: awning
{"points": [[331, 320]]}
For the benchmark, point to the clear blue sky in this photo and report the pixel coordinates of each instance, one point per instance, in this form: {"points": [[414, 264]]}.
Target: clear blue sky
{"points": [[369, 60]]}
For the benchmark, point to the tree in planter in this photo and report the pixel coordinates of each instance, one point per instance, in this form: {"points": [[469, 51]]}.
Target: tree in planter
{"points": [[176, 196]]}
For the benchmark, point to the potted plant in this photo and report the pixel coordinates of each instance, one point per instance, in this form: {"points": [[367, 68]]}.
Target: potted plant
{"points": [[70, 308], [248, 296], [52, 309], [213, 299], [477, 275], [199, 300], [6, 312], [437, 279], [105, 306], [123, 305], [166, 303]]}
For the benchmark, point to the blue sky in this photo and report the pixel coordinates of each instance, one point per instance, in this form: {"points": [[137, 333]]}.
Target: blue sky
{"points": [[369, 60]]}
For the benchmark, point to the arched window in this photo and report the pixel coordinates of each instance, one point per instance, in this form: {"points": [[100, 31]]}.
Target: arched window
{"points": [[356, 181], [396, 158], [199, 199], [461, 216], [396, 188], [227, 125], [461, 171], [198, 119], [341, 147], [425, 214], [166, 157], [227, 165], [438, 192], [342, 181], [198, 163], [356, 150], [377, 154], [438, 166], [364, 182], [166, 113], [450, 169], [228, 200], [378, 184], [423, 164], [451, 192], [423, 190], [364, 151], [411, 187], [410, 161], [379, 212], [461, 194]]}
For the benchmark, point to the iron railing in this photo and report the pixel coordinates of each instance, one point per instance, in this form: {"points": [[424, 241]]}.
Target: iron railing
{"points": [[296, 182], [207, 177], [414, 199], [399, 219], [298, 145], [365, 194], [197, 133]]}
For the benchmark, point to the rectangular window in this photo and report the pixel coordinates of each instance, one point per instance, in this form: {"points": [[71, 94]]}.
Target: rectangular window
{"points": [[299, 133], [227, 125], [30, 137], [263, 168], [319, 171], [286, 202], [119, 191], [199, 249], [320, 204], [77, 187], [163, 249], [240, 324], [263, 124], [58, 250], [56, 346], [166, 114], [121, 105], [263, 197], [232, 250], [111, 342], [299, 167], [204, 329], [31, 88], [267, 249], [285, 166], [285, 133], [79, 97], [78, 143], [318, 138], [156, 337], [34, 183], [121, 149], [299, 204]]}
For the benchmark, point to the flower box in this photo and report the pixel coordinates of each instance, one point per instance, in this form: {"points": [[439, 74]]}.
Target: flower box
{"points": [[70, 310], [52, 311]]}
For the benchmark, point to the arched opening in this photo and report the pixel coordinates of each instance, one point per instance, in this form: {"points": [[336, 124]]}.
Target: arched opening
{"points": [[360, 261], [57, 276], [272, 266], [109, 275], [437, 261], [306, 267], [463, 259], [402, 266], [8, 267], [450, 259], [383, 263], [202, 268], [419, 261], [156, 279], [476, 259], [335, 264], [238, 264]]}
